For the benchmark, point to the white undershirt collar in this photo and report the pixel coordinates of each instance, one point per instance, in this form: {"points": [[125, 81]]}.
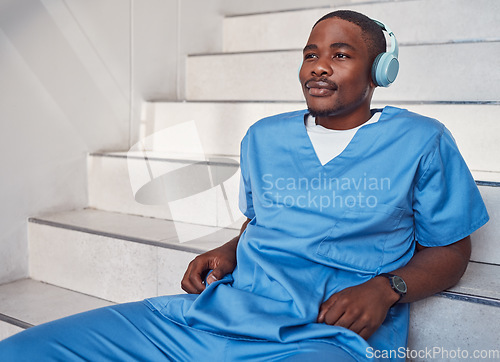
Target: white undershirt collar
{"points": [[329, 143]]}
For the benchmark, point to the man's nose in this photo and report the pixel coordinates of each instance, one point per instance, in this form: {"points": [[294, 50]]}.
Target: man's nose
{"points": [[322, 68]]}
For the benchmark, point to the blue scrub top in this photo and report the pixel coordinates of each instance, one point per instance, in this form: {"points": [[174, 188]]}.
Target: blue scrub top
{"points": [[317, 229]]}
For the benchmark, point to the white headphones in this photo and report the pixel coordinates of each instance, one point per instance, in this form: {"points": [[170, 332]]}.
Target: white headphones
{"points": [[386, 65]]}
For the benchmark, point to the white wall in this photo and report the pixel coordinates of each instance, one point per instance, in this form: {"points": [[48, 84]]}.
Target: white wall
{"points": [[64, 91], [58, 102]]}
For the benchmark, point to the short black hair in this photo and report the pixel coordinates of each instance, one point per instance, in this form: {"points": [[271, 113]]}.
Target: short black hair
{"points": [[371, 32]]}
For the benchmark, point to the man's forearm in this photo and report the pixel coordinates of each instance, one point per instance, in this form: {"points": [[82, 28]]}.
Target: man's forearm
{"points": [[432, 270], [233, 243]]}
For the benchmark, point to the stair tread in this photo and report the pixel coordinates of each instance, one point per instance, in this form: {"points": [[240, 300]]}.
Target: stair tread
{"points": [[486, 176], [33, 302], [480, 176], [158, 155], [479, 280], [158, 232]]}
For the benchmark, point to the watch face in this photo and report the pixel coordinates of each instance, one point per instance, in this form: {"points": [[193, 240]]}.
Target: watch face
{"points": [[399, 284]]}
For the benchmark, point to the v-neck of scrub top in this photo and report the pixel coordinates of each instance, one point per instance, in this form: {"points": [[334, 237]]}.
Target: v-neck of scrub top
{"points": [[308, 153], [329, 143]]}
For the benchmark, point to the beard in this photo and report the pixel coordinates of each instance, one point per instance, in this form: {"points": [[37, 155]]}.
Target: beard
{"points": [[338, 107], [324, 112]]}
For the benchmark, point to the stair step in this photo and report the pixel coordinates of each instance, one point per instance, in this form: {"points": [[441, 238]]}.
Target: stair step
{"points": [[478, 144], [142, 230], [220, 125], [113, 256], [150, 184], [270, 31], [444, 325], [25, 303], [7, 329], [110, 189], [266, 76], [486, 178], [485, 241], [478, 281], [414, 22], [121, 257]]}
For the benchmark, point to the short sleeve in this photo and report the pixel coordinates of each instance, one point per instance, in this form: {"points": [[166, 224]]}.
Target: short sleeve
{"points": [[446, 202], [245, 194]]}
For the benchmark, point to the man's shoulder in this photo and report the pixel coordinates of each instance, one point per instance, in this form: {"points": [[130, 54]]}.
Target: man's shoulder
{"points": [[411, 123]]}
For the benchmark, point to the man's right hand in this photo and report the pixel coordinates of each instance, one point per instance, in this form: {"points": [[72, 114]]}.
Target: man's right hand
{"points": [[221, 261]]}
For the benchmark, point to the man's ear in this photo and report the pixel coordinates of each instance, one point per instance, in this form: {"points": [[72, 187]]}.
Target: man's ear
{"points": [[370, 77], [372, 83]]}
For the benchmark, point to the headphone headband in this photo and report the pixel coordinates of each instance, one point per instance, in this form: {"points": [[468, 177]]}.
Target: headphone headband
{"points": [[394, 44], [386, 65]]}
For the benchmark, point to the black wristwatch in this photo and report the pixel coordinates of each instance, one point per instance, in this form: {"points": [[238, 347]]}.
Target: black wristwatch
{"points": [[397, 284]]}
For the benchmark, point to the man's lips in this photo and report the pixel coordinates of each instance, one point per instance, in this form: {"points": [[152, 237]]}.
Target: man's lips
{"points": [[320, 88]]}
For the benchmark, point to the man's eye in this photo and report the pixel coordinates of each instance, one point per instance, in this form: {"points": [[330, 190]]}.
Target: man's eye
{"points": [[341, 56], [310, 56]]}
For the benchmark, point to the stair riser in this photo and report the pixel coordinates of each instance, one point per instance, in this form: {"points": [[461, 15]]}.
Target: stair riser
{"points": [[485, 241], [273, 75], [413, 22], [198, 199], [7, 330], [220, 126], [474, 127], [108, 268]]}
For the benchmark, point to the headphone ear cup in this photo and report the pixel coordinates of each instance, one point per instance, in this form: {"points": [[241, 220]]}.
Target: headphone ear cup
{"points": [[385, 69]]}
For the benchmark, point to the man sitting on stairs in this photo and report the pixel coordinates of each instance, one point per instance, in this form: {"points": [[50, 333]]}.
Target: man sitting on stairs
{"points": [[352, 213]]}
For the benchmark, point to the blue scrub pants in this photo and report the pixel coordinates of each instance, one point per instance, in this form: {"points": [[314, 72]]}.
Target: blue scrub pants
{"points": [[138, 332]]}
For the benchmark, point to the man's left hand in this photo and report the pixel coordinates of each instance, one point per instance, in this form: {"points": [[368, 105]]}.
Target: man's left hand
{"points": [[361, 308]]}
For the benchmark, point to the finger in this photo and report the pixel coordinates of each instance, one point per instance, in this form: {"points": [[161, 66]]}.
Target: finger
{"points": [[192, 282], [323, 309], [191, 287], [334, 314], [345, 320], [196, 284], [213, 276], [359, 326], [365, 325], [219, 273], [185, 282], [196, 281], [366, 333]]}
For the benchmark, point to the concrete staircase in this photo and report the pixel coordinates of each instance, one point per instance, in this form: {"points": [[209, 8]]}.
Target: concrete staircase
{"points": [[126, 245]]}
